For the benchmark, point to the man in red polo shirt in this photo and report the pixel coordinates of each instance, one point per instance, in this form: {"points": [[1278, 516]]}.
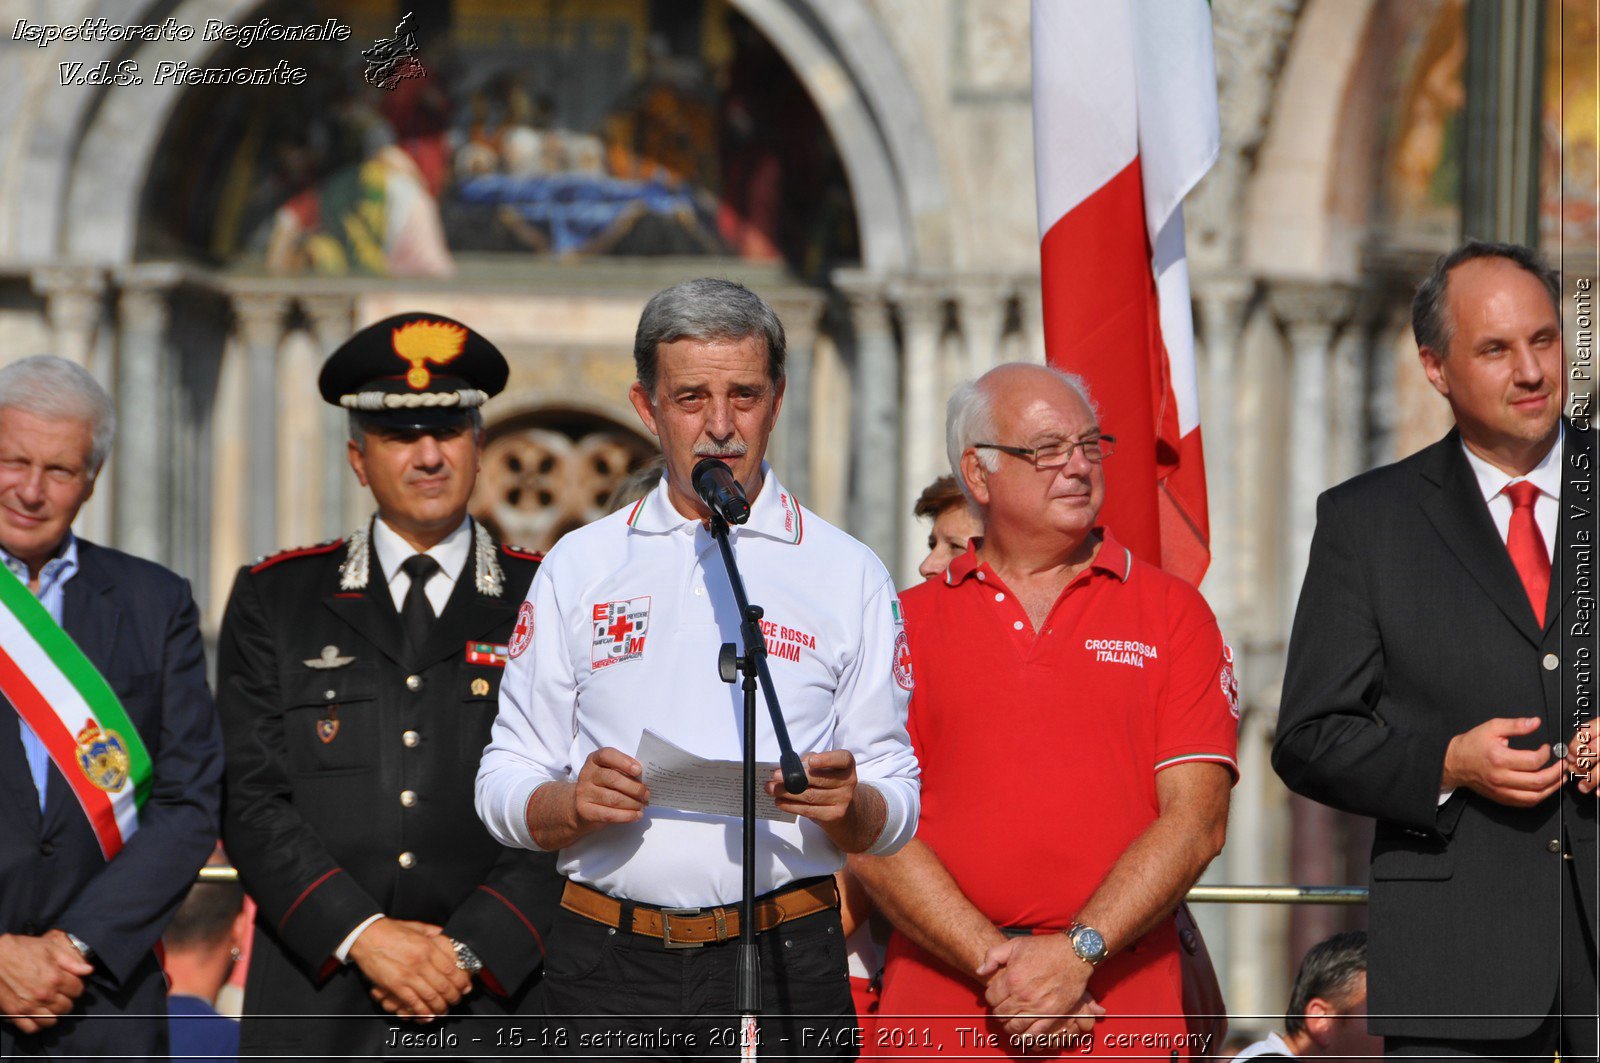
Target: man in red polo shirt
{"points": [[1075, 716]]}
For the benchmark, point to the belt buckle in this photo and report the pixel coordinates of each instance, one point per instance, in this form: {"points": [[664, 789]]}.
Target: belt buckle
{"points": [[666, 928]]}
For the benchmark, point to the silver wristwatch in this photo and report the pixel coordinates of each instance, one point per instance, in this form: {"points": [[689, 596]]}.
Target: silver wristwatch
{"points": [[1087, 943], [466, 959]]}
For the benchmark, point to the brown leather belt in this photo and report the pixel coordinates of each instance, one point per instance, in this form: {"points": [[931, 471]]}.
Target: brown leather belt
{"points": [[690, 928]]}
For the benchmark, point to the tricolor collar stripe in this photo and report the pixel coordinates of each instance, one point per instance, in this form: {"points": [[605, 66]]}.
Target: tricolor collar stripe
{"points": [[634, 515], [1218, 758], [35, 709], [60, 654]]}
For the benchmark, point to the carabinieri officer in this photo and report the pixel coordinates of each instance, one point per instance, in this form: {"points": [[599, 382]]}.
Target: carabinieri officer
{"points": [[620, 634], [357, 684]]}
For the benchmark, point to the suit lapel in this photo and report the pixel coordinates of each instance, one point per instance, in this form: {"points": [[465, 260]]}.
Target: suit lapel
{"points": [[1458, 513], [15, 778], [371, 613]]}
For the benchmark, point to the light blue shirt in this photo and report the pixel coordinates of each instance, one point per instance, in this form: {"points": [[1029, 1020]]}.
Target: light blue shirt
{"points": [[52, 592]]}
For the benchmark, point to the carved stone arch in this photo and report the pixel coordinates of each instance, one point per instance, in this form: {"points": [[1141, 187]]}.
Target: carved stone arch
{"points": [[90, 152]]}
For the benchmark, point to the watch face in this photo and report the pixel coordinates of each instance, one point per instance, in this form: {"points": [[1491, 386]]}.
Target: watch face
{"points": [[1088, 943]]}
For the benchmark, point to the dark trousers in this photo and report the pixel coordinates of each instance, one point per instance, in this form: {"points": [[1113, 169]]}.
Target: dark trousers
{"points": [[1574, 1021], [615, 994]]}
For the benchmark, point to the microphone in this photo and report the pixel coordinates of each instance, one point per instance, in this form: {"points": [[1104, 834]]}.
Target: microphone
{"points": [[713, 481]]}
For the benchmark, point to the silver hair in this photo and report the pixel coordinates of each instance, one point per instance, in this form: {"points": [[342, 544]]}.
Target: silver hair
{"points": [[706, 309], [969, 419], [358, 425], [51, 387]]}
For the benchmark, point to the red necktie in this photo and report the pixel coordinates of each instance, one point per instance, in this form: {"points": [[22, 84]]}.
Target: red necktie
{"points": [[1526, 546]]}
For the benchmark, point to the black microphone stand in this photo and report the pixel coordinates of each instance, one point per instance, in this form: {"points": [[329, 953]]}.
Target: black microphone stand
{"points": [[753, 665]]}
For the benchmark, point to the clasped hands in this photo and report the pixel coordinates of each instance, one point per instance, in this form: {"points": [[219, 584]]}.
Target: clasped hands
{"points": [[1483, 761], [41, 978], [1038, 988], [412, 968]]}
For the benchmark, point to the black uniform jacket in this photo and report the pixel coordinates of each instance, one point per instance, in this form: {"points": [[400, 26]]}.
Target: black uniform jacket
{"points": [[137, 623], [350, 768], [1412, 628]]}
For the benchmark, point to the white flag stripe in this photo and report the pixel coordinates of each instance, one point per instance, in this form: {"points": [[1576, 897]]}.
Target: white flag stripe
{"points": [[1085, 101], [1177, 322], [1179, 134]]}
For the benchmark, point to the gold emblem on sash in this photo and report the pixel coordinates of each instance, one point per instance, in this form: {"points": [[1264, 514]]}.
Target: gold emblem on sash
{"points": [[103, 758]]}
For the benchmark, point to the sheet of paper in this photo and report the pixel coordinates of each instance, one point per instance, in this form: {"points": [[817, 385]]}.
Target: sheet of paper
{"points": [[679, 779]]}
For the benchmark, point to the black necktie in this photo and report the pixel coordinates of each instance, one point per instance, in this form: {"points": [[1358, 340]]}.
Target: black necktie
{"points": [[416, 615]]}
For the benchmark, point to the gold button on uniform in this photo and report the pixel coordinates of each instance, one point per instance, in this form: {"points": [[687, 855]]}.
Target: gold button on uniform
{"points": [[1551, 662], [408, 860], [410, 739], [413, 682], [1554, 845], [480, 687], [408, 798]]}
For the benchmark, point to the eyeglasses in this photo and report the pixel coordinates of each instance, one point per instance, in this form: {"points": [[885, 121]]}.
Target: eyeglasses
{"points": [[1055, 455]]}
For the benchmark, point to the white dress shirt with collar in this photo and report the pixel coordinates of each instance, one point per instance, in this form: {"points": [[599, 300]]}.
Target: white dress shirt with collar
{"points": [[628, 615], [1546, 476], [451, 552]]}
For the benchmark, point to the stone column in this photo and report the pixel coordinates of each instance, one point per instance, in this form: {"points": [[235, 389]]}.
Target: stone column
{"points": [[74, 298], [1223, 301], [260, 320], [981, 308], [875, 450], [1348, 400], [801, 316], [144, 458], [1311, 314], [1030, 300], [330, 318], [922, 413]]}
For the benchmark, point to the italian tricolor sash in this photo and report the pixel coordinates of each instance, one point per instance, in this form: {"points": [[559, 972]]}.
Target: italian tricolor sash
{"points": [[69, 705]]}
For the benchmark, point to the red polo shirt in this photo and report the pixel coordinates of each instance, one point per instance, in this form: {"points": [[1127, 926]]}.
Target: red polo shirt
{"points": [[1039, 754]]}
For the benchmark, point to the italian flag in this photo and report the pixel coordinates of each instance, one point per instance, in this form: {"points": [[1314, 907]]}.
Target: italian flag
{"points": [[1124, 125], [61, 695]]}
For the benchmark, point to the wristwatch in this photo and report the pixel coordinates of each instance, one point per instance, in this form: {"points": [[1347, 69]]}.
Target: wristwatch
{"points": [[1087, 943], [466, 959]]}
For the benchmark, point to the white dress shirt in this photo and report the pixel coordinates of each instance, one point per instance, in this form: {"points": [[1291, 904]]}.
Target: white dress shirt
{"points": [[628, 614], [451, 553], [1546, 476]]}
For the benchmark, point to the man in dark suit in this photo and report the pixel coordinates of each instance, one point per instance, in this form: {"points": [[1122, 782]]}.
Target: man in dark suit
{"points": [[108, 793], [357, 684], [1436, 683]]}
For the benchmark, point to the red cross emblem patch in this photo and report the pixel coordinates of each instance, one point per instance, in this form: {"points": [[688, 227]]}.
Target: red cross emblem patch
{"points": [[619, 631]]}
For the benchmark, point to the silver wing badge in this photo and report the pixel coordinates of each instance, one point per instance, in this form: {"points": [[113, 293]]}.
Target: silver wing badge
{"points": [[330, 659]]}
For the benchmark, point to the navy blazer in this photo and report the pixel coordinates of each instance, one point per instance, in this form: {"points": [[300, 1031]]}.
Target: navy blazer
{"points": [[138, 624]]}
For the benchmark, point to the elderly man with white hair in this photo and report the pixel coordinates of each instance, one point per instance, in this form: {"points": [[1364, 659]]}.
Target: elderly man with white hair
{"points": [[1075, 719], [110, 757]]}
